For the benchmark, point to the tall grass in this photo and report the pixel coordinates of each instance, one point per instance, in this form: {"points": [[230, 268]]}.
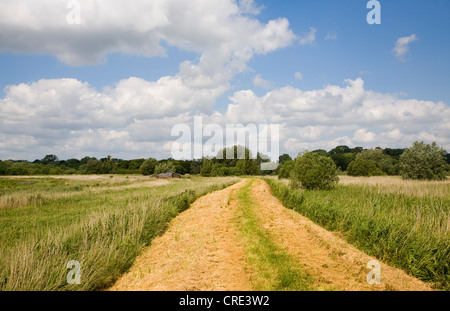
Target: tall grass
{"points": [[104, 231], [407, 231]]}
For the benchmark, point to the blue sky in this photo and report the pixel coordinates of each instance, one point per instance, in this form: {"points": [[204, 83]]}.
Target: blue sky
{"points": [[341, 46]]}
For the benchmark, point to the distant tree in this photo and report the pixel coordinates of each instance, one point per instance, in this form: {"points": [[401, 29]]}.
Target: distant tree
{"points": [[19, 168], [313, 171], [195, 168], [363, 167], [424, 161], [164, 167], [73, 163], [342, 160], [108, 165], [216, 170], [286, 169], [284, 158], [394, 153], [206, 167], [382, 160], [85, 160], [135, 164], [357, 150], [148, 166], [93, 166], [49, 159], [4, 166], [340, 149], [321, 152]]}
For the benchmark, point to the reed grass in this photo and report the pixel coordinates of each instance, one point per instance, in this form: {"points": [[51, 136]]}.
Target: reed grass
{"points": [[401, 224], [104, 231]]}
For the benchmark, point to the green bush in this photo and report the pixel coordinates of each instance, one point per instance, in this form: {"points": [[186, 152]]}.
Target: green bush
{"points": [[206, 168], [148, 167], [164, 167], [286, 169], [424, 161], [364, 167], [313, 171], [383, 161]]}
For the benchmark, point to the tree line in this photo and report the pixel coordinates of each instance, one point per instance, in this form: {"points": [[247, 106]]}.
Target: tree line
{"points": [[319, 170], [424, 159], [354, 161]]}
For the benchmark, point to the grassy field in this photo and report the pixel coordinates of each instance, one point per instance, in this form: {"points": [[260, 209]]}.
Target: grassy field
{"points": [[101, 221], [404, 223]]}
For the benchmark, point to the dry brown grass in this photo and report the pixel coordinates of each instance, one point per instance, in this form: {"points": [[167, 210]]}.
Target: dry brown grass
{"points": [[395, 184], [104, 183]]}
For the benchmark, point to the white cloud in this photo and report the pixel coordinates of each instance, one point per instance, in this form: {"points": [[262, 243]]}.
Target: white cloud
{"points": [[134, 118], [218, 29], [331, 36], [402, 46], [258, 81], [58, 112], [310, 37], [250, 7], [298, 75], [363, 136]]}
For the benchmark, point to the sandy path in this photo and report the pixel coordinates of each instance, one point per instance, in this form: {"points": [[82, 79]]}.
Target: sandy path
{"points": [[200, 251], [331, 261]]}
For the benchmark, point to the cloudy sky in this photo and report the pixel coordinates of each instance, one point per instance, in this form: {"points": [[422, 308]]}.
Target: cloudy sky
{"points": [[119, 78]]}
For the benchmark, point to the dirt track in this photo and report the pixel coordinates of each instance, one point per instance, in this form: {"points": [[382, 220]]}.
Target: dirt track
{"points": [[199, 251], [202, 250]]}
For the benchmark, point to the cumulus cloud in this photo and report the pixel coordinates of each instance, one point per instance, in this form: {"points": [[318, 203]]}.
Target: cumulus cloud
{"points": [[402, 46], [214, 28], [134, 118], [363, 136], [258, 81], [250, 7], [348, 114], [298, 75]]}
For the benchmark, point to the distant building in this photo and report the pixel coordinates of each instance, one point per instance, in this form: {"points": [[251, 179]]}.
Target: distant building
{"points": [[168, 174]]}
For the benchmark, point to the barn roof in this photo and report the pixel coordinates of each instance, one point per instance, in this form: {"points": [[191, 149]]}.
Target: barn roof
{"points": [[167, 173]]}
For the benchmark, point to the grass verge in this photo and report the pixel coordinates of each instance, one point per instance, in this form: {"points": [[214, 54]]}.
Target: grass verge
{"points": [[406, 231], [274, 268], [104, 231]]}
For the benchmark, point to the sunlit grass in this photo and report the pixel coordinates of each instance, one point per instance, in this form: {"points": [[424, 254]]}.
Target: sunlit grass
{"points": [[275, 269], [404, 224], [103, 230]]}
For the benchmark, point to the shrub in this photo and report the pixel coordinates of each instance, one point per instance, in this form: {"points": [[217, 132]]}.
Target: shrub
{"points": [[363, 167], [342, 160], [148, 167], [164, 167], [383, 161], [206, 167], [313, 171], [423, 161], [286, 169]]}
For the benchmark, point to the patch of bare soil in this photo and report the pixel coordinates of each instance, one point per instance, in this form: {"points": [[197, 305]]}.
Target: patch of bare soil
{"points": [[330, 260], [200, 251]]}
